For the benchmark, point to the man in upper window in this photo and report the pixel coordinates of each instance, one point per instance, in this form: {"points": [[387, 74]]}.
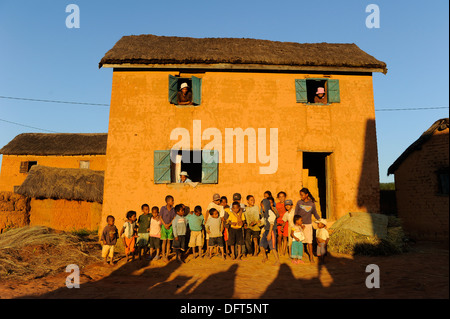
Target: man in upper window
{"points": [[184, 95], [320, 96]]}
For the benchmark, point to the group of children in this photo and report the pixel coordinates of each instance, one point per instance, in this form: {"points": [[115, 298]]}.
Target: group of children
{"points": [[235, 231]]}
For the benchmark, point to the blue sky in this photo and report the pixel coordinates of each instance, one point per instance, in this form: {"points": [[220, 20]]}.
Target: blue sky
{"points": [[40, 58]]}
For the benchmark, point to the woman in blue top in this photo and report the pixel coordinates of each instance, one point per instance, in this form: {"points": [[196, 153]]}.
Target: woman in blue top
{"points": [[306, 207]]}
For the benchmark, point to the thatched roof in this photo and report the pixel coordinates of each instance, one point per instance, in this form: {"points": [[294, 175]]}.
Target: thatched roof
{"points": [[63, 183], [150, 49], [56, 144], [439, 125]]}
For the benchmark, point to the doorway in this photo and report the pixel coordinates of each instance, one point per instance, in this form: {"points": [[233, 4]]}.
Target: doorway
{"points": [[316, 177]]}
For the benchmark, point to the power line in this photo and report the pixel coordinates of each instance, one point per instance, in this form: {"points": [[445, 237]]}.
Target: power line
{"points": [[51, 101], [103, 104], [413, 109], [36, 128]]}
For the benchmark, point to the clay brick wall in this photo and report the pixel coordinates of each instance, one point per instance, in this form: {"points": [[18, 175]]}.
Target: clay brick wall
{"points": [[14, 211], [423, 210]]}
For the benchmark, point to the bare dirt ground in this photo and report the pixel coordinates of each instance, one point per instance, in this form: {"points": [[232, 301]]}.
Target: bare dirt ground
{"points": [[423, 272]]}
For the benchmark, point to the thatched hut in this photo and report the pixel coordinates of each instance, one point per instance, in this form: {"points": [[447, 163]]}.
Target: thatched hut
{"points": [[64, 198], [422, 184], [68, 150]]}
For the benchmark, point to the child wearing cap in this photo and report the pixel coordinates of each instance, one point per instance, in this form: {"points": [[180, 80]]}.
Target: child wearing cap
{"points": [[320, 96], [322, 237]]}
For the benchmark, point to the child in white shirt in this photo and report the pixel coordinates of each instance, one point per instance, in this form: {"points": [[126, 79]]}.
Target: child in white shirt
{"points": [[322, 237]]}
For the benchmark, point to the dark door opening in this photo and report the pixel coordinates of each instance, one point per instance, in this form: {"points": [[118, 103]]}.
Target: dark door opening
{"points": [[316, 164]]}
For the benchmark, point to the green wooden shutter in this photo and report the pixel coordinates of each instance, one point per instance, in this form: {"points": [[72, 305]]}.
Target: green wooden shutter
{"points": [[196, 90], [173, 89], [161, 167], [210, 166], [300, 91], [333, 91]]}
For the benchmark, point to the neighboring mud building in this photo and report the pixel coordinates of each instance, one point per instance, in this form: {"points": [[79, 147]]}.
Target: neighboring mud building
{"points": [[422, 184], [240, 87]]}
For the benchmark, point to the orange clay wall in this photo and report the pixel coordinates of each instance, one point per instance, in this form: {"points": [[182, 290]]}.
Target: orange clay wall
{"points": [[424, 212], [141, 120], [10, 174], [65, 214]]}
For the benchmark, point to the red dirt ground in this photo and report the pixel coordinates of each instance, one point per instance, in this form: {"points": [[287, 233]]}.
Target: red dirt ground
{"points": [[423, 272]]}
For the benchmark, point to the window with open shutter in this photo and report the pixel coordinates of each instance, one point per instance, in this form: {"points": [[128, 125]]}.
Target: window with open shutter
{"points": [[196, 90], [333, 91], [210, 166], [23, 167], [173, 89], [301, 92], [161, 167]]}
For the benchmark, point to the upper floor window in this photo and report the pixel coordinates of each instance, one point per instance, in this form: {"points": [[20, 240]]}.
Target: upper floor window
{"points": [[85, 164], [317, 91], [26, 166], [443, 187], [185, 91]]}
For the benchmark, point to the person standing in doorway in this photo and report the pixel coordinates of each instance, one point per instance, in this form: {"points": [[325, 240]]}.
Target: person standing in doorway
{"points": [[306, 207]]}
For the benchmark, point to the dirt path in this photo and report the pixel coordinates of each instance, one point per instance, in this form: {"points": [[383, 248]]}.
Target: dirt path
{"points": [[421, 273]]}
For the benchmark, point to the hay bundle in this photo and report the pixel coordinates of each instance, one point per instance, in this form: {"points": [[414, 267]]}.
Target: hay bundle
{"points": [[34, 252], [345, 241]]}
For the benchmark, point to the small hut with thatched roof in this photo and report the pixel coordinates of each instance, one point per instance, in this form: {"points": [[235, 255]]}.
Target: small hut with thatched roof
{"points": [[68, 150], [422, 184], [64, 198]]}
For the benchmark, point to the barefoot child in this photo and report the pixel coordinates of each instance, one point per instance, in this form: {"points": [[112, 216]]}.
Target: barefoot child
{"points": [[322, 238], [128, 234], [196, 221], [109, 239], [252, 230], [268, 234], [179, 231], [214, 228], [167, 214], [282, 230], [235, 236], [297, 240], [142, 234], [288, 218], [155, 233]]}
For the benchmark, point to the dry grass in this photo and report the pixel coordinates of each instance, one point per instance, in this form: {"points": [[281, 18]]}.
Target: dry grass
{"points": [[63, 183], [34, 252]]}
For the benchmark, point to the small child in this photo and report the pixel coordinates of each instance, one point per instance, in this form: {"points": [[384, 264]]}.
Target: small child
{"points": [[235, 236], [142, 234], [155, 233], [179, 224], [322, 237], [128, 234], [214, 227], [297, 240], [196, 221], [109, 239]]}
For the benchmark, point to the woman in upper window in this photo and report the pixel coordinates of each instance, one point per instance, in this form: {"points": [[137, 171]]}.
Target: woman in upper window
{"points": [[184, 95], [320, 96]]}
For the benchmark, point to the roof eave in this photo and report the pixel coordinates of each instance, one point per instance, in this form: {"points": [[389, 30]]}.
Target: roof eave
{"points": [[247, 67]]}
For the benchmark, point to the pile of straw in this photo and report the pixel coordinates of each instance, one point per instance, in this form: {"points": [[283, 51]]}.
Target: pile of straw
{"points": [[34, 252], [346, 241]]}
